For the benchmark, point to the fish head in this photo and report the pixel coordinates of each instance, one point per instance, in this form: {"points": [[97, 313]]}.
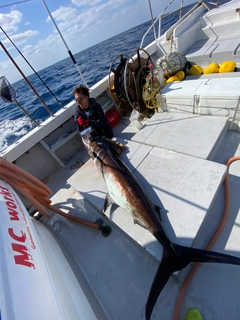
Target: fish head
{"points": [[91, 143]]}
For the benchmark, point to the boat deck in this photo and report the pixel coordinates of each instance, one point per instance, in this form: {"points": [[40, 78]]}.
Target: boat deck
{"points": [[179, 157], [104, 261], [159, 155]]}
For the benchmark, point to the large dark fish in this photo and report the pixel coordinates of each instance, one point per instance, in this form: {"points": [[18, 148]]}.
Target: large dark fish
{"points": [[125, 190]]}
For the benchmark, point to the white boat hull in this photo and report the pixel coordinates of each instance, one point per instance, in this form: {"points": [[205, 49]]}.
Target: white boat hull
{"points": [[32, 266]]}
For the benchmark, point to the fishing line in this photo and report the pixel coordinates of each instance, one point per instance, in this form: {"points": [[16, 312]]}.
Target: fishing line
{"points": [[32, 68]]}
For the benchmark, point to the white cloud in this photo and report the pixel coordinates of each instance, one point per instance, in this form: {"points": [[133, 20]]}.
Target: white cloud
{"points": [[27, 50], [6, 67], [20, 38], [65, 14], [73, 19], [10, 20], [85, 3]]}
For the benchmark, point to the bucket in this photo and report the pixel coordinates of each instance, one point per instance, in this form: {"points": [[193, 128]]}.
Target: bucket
{"points": [[112, 117]]}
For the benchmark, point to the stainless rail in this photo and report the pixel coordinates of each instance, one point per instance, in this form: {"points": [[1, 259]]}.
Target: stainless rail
{"points": [[159, 20], [162, 15]]}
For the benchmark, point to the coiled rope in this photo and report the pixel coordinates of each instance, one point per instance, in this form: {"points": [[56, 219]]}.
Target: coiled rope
{"points": [[35, 192], [150, 90]]}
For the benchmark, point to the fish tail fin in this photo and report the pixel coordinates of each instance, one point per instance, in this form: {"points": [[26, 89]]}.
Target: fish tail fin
{"points": [[169, 264], [198, 255], [177, 258]]}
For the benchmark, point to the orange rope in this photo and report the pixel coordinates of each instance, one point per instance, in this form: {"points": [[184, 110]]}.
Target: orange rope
{"points": [[34, 191], [209, 245]]}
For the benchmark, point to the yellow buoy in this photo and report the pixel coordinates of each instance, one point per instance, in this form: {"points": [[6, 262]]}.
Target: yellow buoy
{"points": [[212, 68], [180, 75], [227, 66], [172, 79], [195, 70]]}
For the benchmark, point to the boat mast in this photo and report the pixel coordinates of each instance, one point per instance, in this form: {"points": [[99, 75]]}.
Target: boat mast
{"points": [[69, 51]]}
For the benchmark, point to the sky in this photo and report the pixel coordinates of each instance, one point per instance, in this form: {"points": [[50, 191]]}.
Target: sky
{"points": [[82, 23]]}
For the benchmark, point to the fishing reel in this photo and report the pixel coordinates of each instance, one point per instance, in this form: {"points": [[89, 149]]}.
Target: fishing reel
{"points": [[129, 78], [116, 85], [137, 68]]}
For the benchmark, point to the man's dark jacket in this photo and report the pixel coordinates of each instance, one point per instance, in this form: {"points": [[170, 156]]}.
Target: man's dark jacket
{"points": [[97, 118]]}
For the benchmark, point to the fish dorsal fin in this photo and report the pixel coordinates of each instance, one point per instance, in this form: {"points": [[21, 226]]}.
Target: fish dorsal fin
{"points": [[158, 210], [117, 146]]}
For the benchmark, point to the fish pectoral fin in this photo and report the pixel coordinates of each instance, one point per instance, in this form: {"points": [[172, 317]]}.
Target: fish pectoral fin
{"points": [[108, 201], [137, 221]]}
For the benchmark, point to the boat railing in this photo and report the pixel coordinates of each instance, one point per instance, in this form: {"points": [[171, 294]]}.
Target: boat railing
{"points": [[163, 15], [236, 114], [152, 26], [230, 106], [159, 20]]}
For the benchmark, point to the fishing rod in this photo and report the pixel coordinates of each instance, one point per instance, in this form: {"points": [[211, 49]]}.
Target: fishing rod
{"points": [[69, 51], [11, 4], [25, 78], [31, 67]]}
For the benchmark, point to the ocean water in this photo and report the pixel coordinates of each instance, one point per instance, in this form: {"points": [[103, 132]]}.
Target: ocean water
{"points": [[63, 76]]}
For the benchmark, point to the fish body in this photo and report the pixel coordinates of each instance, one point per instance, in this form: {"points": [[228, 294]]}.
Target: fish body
{"points": [[125, 190]]}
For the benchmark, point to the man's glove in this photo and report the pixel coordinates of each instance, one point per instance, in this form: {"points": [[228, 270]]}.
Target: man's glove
{"points": [[83, 123]]}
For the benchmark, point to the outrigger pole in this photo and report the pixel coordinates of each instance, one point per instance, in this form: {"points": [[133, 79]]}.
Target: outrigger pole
{"points": [[69, 51]]}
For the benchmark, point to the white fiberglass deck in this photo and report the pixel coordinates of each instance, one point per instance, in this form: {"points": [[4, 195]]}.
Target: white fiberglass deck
{"points": [[185, 202], [174, 131]]}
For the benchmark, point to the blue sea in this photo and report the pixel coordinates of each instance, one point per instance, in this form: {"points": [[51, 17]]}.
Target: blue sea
{"points": [[63, 76]]}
